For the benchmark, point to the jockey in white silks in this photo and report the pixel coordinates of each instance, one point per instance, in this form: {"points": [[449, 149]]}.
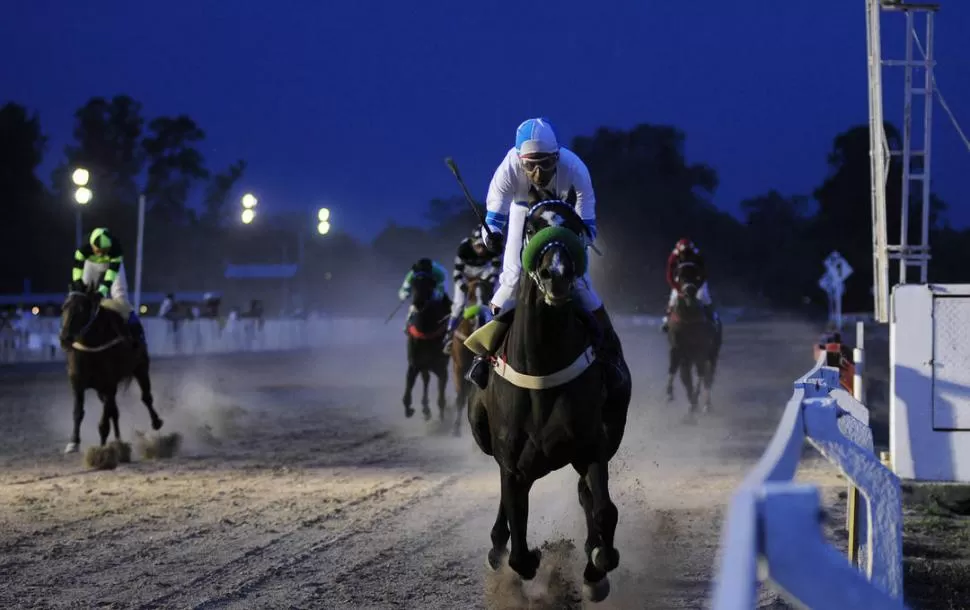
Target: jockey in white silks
{"points": [[537, 159], [472, 261], [100, 262]]}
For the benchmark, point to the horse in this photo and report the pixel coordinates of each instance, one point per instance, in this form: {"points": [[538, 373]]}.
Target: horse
{"points": [[475, 314], [425, 330], [100, 356], [695, 342], [548, 403]]}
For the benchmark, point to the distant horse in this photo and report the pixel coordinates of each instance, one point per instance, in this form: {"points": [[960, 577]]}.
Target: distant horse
{"points": [[425, 329], [547, 403], [475, 314], [695, 342], [100, 356]]}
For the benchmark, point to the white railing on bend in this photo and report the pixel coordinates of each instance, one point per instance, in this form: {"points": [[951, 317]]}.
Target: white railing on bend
{"points": [[773, 526]]}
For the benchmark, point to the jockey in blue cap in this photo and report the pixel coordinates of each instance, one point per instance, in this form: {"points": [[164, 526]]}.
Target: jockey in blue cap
{"points": [[538, 159]]}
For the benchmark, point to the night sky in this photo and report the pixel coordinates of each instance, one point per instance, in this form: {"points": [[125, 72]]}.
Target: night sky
{"points": [[354, 104]]}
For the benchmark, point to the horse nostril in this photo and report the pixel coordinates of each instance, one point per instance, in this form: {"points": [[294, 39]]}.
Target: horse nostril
{"points": [[544, 274]]}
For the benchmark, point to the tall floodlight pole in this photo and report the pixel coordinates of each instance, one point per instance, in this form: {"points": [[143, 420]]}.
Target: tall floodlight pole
{"points": [[915, 163], [141, 249]]}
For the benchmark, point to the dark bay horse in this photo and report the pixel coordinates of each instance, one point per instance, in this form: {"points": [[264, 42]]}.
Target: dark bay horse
{"points": [[547, 404], [475, 314], [100, 357], [695, 343], [426, 328]]}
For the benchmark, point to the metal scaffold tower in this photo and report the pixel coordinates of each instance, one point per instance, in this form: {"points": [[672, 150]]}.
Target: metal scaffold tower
{"points": [[915, 163]]}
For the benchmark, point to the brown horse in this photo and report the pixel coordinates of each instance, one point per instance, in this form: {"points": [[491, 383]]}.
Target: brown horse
{"points": [[475, 314]]}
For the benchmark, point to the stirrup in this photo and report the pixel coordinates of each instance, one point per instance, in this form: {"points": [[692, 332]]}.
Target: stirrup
{"points": [[478, 372]]}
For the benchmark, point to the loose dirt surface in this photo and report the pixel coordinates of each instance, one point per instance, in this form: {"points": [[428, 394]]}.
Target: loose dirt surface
{"points": [[301, 485]]}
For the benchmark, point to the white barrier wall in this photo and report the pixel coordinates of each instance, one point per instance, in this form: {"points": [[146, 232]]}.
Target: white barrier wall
{"points": [[34, 339], [929, 354], [773, 528]]}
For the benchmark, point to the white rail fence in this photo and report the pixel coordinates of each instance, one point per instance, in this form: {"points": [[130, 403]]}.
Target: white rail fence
{"points": [[34, 339], [773, 530]]}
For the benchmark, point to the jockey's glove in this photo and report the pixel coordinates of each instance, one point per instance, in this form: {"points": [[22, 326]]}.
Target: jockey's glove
{"points": [[495, 241]]}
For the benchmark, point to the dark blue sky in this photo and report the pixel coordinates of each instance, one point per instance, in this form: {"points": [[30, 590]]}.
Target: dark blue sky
{"points": [[354, 104]]}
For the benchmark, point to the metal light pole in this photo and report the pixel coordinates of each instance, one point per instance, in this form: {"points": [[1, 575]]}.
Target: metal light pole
{"points": [[82, 196], [141, 249]]}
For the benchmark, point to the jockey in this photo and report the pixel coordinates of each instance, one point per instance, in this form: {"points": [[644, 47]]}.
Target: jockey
{"points": [[101, 262], [538, 159], [473, 260], [686, 253], [428, 267]]}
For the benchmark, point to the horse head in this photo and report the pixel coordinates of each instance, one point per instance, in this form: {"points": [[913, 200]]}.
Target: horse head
{"points": [[690, 283], [78, 311], [422, 289], [554, 255]]}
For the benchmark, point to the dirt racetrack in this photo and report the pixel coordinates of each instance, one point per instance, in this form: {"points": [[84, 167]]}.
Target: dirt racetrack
{"points": [[301, 485]]}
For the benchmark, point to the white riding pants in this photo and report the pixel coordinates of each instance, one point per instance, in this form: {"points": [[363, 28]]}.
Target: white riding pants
{"points": [[504, 297]]}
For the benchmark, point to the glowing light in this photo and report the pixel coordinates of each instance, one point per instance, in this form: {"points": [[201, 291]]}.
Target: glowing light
{"points": [[80, 176], [143, 309], [35, 310], [248, 215], [323, 228], [249, 201], [323, 215], [83, 195]]}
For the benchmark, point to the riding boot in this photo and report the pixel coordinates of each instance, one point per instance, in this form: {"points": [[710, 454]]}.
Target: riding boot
{"points": [[136, 329], [478, 372], [609, 350]]}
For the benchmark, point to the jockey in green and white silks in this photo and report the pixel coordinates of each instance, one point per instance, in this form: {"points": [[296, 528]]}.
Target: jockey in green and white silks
{"points": [[472, 261], [537, 159], [100, 262], [425, 266]]}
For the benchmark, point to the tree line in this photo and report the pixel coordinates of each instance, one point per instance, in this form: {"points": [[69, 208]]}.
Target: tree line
{"points": [[770, 257]]}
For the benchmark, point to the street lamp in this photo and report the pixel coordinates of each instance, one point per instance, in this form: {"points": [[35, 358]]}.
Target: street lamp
{"points": [[82, 196], [323, 215], [249, 202]]}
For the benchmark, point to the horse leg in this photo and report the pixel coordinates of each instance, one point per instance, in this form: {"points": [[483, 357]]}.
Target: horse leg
{"points": [[460, 403], [687, 378], [412, 376], [596, 586], [108, 407], [425, 403], [145, 385], [500, 539], [671, 371], [75, 443], [442, 374], [605, 516], [515, 499]]}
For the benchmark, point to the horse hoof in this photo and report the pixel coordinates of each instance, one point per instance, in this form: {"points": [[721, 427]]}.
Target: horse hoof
{"points": [[528, 566], [597, 591], [157, 423], [71, 448], [427, 415], [670, 397], [408, 412], [605, 559], [494, 559]]}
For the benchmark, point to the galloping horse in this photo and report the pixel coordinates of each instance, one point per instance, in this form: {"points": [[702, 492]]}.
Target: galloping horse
{"points": [[99, 358], [695, 342], [425, 330], [547, 403], [475, 314]]}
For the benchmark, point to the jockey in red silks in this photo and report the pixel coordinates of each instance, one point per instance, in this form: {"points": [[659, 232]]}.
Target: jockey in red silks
{"points": [[686, 253]]}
